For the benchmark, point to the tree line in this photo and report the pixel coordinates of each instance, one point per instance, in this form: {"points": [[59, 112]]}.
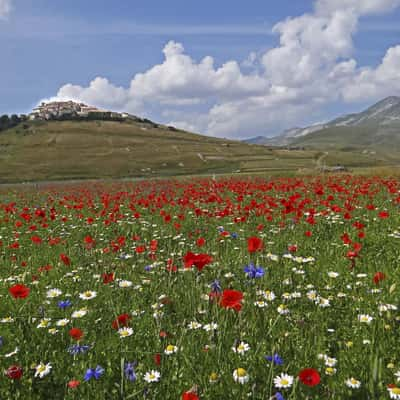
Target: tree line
{"points": [[8, 122]]}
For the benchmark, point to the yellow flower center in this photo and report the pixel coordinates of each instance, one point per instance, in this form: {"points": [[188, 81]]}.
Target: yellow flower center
{"points": [[170, 347], [214, 376], [284, 382], [395, 390], [41, 368], [330, 371], [241, 372]]}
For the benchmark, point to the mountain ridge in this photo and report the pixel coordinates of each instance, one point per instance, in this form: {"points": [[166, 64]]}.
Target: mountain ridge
{"points": [[382, 116]]}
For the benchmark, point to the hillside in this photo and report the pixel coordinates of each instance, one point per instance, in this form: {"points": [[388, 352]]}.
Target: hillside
{"points": [[58, 150], [376, 128]]}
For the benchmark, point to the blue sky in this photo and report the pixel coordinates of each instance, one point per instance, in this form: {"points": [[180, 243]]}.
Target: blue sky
{"points": [[48, 44]]}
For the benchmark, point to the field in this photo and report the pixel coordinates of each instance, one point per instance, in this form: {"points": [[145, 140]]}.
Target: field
{"points": [[235, 288]]}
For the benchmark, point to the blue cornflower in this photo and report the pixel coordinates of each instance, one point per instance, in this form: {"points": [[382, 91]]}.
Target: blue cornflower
{"points": [[278, 396], [130, 371], [64, 303], [148, 268], [216, 286], [254, 272], [221, 229], [78, 349], [276, 359], [234, 235], [95, 373]]}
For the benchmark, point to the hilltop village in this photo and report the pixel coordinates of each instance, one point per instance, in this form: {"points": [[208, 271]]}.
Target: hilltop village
{"points": [[58, 110]]}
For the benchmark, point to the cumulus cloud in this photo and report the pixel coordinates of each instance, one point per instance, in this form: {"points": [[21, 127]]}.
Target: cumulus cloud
{"points": [[378, 82], [311, 66], [5, 8]]}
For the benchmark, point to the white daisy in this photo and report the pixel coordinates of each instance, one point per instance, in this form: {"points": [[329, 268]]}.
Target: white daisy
{"points": [[88, 295], [124, 283], [241, 348], [365, 318], [170, 349], [394, 392], [62, 322], [7, 320], [152, 376], [330, 361], [283, 381], [268, 295], [52, 293], [312, 295], [125, 332], [194, 325], [44, 323], [79, 313], [397, 375], [283, 310], [210, 327], [41, 370], [240, 375], [353, 383]]}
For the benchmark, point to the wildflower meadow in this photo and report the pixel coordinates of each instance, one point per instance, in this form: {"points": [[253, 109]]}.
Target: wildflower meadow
{"points": [[231, 288]]}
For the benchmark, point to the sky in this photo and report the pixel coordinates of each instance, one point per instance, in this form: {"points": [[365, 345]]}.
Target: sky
{"points": [[234, 69]]}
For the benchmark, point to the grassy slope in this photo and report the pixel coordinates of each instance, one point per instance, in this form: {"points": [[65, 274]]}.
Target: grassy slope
{"points": [[104, 149]]}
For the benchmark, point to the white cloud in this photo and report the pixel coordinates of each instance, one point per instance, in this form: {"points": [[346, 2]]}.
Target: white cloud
{"points": [[361, 7], [311, 66], [5, 8], [376, 83]]}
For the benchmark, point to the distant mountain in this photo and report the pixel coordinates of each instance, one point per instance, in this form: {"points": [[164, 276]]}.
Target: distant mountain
{"points": [[256, 140], [379, 125], [283, 139]]}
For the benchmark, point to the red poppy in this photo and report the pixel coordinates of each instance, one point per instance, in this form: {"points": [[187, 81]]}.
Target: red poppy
{"points": [[89, 242], [383, 214], [153, 245], [140, 249], [107, 277], [76, 333], [378, 277], [14, 372], [157, 359], [254, 244], [36, 239], [121, 320], [200, 242], [73, 384], [190, 396], [232, 299], [19, 291], [198, 260], [163, 334], [65, 259], [309, 377]]}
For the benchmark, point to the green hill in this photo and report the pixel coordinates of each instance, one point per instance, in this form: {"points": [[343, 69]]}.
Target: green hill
{"points": [[58, 150]]}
